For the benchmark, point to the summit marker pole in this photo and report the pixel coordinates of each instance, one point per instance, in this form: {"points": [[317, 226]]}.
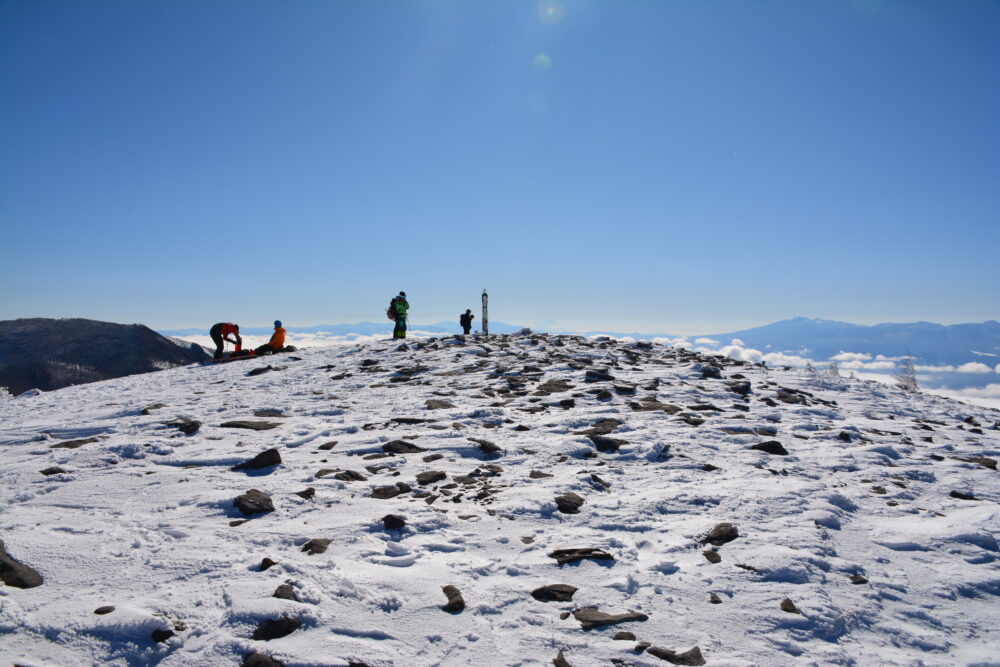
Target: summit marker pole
{"points": [[486, 316]]}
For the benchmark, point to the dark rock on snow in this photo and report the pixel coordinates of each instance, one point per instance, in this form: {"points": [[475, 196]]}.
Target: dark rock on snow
{"points": [[266, 564], [622, 635], [73, 444], [261, 660], [554, 593], [569, 503], [251, 425], [560, 660], [393, 522], [591, 617], [455, 601], [307, 494], [720, 534], [605, 444], [316, 546], [788, 606], [564, 556], [265, 459], [107, 609], [285, 592], [55, 470], [402, 447], [161, 635], [691, 657], [712, 555], [771, 447], [254, 502], [276, 628], [430, 476]]}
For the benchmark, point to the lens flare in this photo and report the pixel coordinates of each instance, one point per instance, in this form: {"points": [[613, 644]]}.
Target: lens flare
{"points": [[551, 11]]}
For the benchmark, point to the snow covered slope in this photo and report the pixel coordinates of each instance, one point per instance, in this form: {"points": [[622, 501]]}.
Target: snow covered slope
{"points": [[871, 540]]}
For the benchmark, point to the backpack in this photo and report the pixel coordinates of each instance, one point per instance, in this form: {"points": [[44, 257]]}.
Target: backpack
{"points": [[390, 312]]}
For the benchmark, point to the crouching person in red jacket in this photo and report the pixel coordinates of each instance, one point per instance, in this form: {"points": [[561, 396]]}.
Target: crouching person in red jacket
{"points": [[220, 336]]}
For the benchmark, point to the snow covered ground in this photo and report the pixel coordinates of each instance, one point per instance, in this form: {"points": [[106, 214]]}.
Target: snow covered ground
{"points": [[873, 540]]}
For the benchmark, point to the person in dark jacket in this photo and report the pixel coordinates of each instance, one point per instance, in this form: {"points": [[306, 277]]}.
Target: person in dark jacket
{"points": [[220, 336], [400, 306], [465, 319], [277, 342]]}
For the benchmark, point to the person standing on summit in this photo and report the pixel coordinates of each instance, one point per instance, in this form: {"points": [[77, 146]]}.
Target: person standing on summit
{"points": [[220, 336], [399, 307], [465, 319]]}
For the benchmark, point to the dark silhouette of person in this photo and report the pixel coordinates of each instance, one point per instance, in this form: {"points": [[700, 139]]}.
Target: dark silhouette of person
{"points": [[400, 306], [465, 319]]}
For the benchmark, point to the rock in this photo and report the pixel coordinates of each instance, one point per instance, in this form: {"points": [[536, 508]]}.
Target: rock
{"points": [[254, 502], [554, 386], [455, 601], [55, 470], [741, 388], [720, 534], [349, 476], [984, 461], [690, 657], [564, 556], [771, 447], [858, 579], [326, 446], [437, 404], [605, 444], [712, 555], [429, 477], [252, 425], [591, 617], [385, 492], [101, 611], [554, 593], [285, 592], [402, 447], [599, 483], [261, 660], [622, 635], [268, 413], [74, 444], [567, 403], [316, 546], [276, 628], [601, 427], [265, 459], [538, 474], [599, 375], [962, 496], [788, 606], [267, 564], [486, 447], [393, 522], [569, 503], [641, 646], [307, 494], [261, 371], [603, 395], [625, 388], [161, 635], [714, 599], [708, 371], [149, 408], [560, 660]]}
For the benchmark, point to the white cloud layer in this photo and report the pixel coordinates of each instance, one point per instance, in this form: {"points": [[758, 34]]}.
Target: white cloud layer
{"points": [[851, 356], [974, 367]]}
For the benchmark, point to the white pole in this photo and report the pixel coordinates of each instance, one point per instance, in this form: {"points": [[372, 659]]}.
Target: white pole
{"points": [[486, 316]]}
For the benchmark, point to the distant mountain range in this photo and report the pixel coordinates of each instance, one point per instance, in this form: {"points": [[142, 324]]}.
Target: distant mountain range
{"points": [[47, 354]]}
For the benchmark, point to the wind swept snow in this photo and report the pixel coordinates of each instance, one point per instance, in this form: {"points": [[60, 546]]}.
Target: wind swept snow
{"points": [[510, 500]]}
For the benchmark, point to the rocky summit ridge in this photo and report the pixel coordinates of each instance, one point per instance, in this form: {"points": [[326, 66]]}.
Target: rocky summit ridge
{"points": [[512, 500]]}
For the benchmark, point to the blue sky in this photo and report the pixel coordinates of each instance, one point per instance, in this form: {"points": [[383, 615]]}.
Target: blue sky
{"points": [[669, 166]]}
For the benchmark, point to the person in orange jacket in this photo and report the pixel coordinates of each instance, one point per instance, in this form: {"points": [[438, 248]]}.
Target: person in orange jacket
{"points": [[277, 342], [220, 335]]}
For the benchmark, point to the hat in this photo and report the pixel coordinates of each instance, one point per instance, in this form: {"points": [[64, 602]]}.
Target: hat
{"points": [[277, 324], [403, 294]]}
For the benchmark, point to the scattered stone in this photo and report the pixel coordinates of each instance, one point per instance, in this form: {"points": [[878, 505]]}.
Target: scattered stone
{"points": [[708, 467], [720, 534], [73, 444], [591, 617], [430, 458], [641, 646], [712, 556], [564, 556], [605, 444], [708, 371], [486, 447], [267, 564], [554, 386], [261, 660], [603, 395], [437, 404], [54, 470], [554, 593], [385, 492], [161, 635], [100, 611], [788, 606], [393, 522], [599, 483], [599, 375], [984, 461], [149, 408], [771, 447], [265, 459], [237, 522], [316, 546], [251, 425], [560, 660], [430, 477], [962, 496], [254, 502], [563, 615], [538, 474], [261, 370], [307, 494], [349, 476], [285, 592], [857, 579], [569, 503], [402, 447], [601, 427], [455, 601], [714, 599], [623, 635], [625, 388], [691, 657], [326, 446], [276, 628], [268, 413], [742, 388], [567, 403]]}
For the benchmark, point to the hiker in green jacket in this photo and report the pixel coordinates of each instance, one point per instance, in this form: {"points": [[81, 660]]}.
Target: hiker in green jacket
{"points": [[400, 306]]}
